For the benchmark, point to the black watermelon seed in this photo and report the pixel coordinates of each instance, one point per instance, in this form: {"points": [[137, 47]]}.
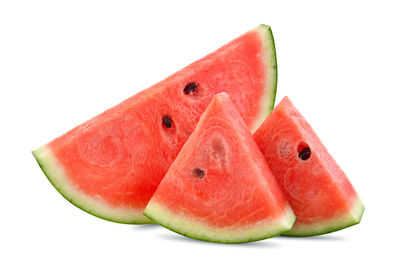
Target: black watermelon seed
{"points": [[167, 122], [198, 173], [190, 88], [305, 153]]}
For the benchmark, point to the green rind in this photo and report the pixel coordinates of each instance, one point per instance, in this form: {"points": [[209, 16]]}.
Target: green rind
{"points": [[191, 228], [353, 217], [56, 175], [271, 66]]}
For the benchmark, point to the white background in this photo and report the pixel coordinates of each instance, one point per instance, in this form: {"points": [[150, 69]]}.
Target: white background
{"points": [[62, 62]]}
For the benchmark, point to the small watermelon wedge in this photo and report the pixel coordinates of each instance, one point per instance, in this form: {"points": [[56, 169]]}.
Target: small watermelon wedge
{"points": [[219, 188], [319, 192], [111, 165]]}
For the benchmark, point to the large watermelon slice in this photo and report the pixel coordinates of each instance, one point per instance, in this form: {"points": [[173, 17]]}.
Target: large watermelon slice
{"points": [[220, 188], [111, 165], [319, 192]]}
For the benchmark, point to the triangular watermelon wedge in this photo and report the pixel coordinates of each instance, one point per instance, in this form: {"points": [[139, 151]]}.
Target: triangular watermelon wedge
{"points": [[319, 192], [111, 165], [219, 188]]}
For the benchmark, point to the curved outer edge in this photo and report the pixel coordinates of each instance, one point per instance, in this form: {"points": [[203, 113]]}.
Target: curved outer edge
{"points": [[94, 206], [191, 228], [271, 74], [351, 218]]}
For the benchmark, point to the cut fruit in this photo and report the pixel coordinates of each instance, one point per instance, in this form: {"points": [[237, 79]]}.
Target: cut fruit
{"points": [[319, 192], [219, 188], [111, 165]]}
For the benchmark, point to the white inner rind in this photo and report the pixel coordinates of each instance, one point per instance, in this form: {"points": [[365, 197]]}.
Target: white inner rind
{"points": [[193, 228], [93, 205], [353, 217], [267, 100]]}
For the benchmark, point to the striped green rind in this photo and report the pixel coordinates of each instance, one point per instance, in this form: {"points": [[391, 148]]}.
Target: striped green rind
{"points": [[271, 72], [353, 217], [93, 205], [193, 228]]}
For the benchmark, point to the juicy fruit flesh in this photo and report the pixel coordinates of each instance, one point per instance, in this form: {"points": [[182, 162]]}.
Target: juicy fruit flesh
{"points": [[120, 156], [57, 177], [315, 186], [223, 175], [236, 190]]}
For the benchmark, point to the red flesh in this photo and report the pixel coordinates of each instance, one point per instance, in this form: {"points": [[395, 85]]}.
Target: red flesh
{"points": [[121, 155], [237, 189], [316, 188]]}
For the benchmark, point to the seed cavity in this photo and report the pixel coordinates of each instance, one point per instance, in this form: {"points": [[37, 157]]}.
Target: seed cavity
{"points": [[198, 173], [190, 88], [304, 151], [167, 122]]}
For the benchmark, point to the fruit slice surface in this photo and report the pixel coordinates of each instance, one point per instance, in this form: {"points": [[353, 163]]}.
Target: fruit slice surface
{"points": [[219, 188], [111, 165], [319, 192]]}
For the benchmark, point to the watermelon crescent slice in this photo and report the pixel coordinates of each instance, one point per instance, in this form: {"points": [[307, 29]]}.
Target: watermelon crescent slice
{"points": [[319, 192], [219, 188], [111, 165]]}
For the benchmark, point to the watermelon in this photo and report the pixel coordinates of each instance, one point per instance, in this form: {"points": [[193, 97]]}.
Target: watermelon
{"points": [[219, 188], [111, 165], [319, 192]]}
